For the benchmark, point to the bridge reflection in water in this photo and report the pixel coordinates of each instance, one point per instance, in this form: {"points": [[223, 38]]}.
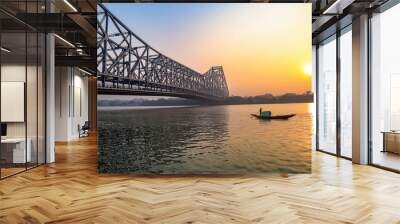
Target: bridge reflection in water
{"points": [[127, 65]]}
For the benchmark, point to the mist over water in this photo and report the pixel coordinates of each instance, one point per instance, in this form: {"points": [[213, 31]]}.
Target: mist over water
{"points": [[204, 140]]}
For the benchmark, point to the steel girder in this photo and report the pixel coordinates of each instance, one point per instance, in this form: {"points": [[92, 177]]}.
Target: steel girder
{"points": [[128, 65]]}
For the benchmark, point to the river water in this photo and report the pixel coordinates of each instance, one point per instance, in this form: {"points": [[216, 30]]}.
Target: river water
{"points": [[204, 140]]}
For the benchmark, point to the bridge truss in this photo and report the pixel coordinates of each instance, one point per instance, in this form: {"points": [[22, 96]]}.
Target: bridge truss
{"points": [[127, 65]]}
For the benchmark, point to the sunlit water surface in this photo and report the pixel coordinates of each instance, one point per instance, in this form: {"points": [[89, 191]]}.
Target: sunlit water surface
{"points": [[204, 140]]}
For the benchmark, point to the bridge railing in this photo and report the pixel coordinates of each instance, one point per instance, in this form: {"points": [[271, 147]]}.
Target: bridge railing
{"points": [[128, 65]]}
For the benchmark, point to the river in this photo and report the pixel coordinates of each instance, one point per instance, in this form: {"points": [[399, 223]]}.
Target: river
{"points": [[204, 140]]}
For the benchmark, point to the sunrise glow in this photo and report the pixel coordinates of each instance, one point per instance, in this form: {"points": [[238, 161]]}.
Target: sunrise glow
{"points": [[260, 50], [308, 69]]}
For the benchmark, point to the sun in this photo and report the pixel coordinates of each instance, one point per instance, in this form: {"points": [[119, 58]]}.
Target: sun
{"points": [[308, 69]]}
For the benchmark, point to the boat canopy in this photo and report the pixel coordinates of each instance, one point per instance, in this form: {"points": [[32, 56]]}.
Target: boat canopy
{"points": [[265, 114]]}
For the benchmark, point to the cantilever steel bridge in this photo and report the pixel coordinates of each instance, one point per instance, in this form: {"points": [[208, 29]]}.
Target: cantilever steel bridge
{"points": [[127, 65]]}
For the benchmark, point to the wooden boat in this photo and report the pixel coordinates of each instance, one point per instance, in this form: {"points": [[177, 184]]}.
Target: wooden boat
{"points": [[277, 117]]}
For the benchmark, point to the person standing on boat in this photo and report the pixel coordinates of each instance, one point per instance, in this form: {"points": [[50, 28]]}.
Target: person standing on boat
{"points": [[260, 111]]}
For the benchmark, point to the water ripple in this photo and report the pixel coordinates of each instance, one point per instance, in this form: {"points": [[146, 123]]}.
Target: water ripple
{"points": [[204, 140]]}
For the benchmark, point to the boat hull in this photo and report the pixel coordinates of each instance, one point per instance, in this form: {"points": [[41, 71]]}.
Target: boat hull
{"points": [[278, 117]]}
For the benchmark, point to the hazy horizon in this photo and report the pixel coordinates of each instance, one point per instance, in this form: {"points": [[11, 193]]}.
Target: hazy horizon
{"points": [[253, 42], [139, 97]]}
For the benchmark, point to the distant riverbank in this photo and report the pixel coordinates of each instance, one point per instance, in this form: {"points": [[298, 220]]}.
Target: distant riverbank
{"points": [[307, 97], [108, 108]]}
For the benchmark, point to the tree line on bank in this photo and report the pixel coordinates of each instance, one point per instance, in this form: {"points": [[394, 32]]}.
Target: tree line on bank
{"points": [[267, 98]]}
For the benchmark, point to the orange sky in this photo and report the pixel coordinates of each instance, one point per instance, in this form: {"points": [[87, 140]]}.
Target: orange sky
{"points": [[263, 48]]}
